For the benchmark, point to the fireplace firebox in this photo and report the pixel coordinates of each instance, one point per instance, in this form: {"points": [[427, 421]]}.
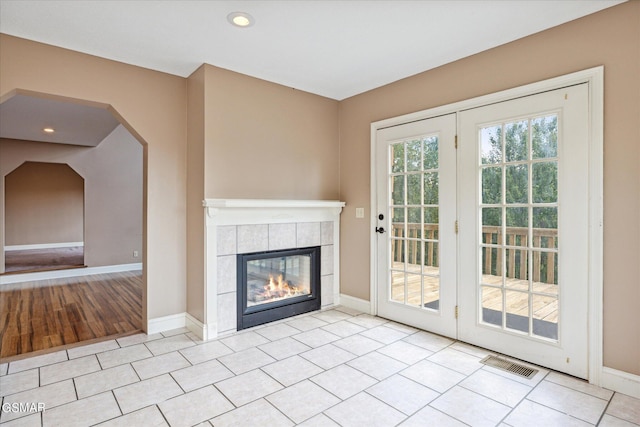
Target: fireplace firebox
{"points": [[274, 285]]}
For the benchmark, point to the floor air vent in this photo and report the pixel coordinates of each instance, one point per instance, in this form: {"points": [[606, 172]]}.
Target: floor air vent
{"points": [[507, 365]]}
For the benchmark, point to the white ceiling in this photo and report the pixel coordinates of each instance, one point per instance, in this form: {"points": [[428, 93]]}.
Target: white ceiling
{"points": [[24, 117], [335, 49]]}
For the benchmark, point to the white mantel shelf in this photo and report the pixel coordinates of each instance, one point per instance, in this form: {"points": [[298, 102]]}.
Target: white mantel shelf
{"points": [[270, 203], [262, 211]]}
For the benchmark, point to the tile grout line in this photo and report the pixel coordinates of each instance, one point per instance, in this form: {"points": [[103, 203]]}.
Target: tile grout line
{"points": [[604, 411], [582, 392], [117, 403], [450, 388], [525, 398], [274, 407], [577, 391], [234, 407], [161, 413]]}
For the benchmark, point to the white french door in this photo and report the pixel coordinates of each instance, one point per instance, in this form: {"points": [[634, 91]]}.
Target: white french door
{"points": [[523, 202], [489, 243], [416, 214]]}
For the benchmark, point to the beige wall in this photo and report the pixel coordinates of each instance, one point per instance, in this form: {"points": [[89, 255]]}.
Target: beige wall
{"points": [[153, 104], [195, 194], [112, 174], [267, 141], [43, 204], [610, 38], [249, 138]]}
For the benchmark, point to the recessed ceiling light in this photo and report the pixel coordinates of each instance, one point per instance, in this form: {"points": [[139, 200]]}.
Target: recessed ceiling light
{"points": [[48, 130], [240, 19]]}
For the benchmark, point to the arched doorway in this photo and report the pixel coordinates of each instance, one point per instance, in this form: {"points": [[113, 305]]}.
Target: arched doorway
{"points": [[95, 142]]}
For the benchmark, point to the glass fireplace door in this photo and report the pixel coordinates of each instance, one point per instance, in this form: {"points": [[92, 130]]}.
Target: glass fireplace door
{"points": [[274, 285], [277, 279]]}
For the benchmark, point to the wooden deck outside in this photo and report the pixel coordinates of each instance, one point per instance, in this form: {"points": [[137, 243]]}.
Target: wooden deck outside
{"points": [[417, 243], [544, 307]]}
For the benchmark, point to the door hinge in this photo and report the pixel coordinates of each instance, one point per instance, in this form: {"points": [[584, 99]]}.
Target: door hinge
{"points": [[455, 226], [456, 143], [456, 312]]}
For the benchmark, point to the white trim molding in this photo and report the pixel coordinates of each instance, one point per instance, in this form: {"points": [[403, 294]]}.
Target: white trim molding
{"points": [[166, 323], [43, 246], [266, 211], [271, 203], [71, 272], [355, 303], [197, 327], [620, 381]]}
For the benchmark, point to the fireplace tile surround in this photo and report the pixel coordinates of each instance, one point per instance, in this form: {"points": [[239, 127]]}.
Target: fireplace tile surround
{"points": [[238, 226]]}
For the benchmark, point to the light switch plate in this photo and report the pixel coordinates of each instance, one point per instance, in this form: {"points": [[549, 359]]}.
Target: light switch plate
{"points": [[359, 212]]}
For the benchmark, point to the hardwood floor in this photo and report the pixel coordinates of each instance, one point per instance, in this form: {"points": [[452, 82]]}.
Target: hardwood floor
{"points": [[30, 260], [44, 314]]}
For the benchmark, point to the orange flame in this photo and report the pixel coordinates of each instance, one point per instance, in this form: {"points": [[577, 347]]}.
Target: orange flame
{"points": [[278, 288]]}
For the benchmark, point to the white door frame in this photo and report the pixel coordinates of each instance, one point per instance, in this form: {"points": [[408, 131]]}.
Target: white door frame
{"points": [[595, 78]]}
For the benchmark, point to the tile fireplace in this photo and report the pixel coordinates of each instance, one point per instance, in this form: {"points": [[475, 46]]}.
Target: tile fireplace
{"points": [[236, 227]]}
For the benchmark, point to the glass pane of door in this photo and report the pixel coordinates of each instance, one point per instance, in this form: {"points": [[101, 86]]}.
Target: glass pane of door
{"points": [[518, 166], [413, 177]]}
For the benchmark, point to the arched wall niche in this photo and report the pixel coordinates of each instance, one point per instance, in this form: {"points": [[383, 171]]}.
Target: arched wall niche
{"points": [[44, 204]]}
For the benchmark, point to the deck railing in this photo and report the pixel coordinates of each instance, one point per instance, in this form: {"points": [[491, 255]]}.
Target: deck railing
{"points": [[544, 263]]}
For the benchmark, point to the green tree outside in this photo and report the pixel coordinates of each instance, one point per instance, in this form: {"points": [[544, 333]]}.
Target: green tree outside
{"points": [[528, 144]]}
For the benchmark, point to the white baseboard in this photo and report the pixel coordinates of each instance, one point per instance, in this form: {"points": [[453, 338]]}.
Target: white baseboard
{"points": [[182, 320], [166, 323], [194, 325], [72, 272], [204, 332], [355, 303], [620, 381], [42, 246]]}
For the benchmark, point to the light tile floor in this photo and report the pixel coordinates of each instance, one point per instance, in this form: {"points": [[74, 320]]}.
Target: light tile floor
{"points": [[332, 368]]}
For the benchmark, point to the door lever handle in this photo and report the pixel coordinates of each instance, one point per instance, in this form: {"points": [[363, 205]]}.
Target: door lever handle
{"points": [[380, 230]]}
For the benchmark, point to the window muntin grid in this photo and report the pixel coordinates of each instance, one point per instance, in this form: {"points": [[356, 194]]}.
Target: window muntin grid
{"points": [[414, 180], [518, 185]]}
